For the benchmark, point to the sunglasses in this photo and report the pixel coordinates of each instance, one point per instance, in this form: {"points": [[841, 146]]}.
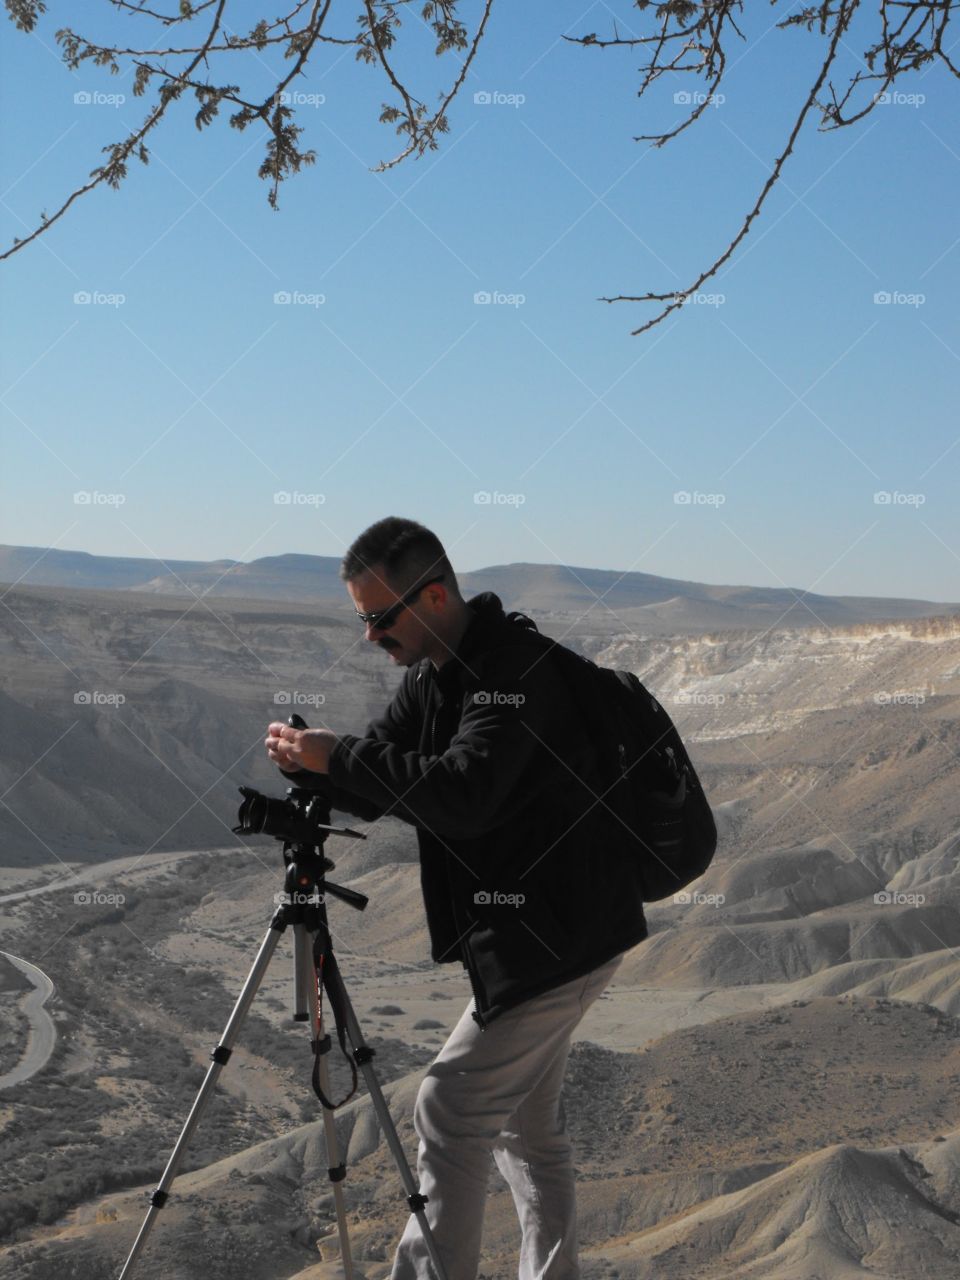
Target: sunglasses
{"points": [[383, 619]]}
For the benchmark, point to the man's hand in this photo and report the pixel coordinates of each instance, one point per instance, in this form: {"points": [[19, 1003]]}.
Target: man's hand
{"points": [[300, 748]]}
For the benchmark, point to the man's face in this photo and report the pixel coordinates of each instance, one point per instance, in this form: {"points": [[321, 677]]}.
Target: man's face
{"points": [[408, 639]]}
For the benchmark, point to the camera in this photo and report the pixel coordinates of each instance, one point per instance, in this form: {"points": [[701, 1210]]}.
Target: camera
{"points": [[302, 818]]}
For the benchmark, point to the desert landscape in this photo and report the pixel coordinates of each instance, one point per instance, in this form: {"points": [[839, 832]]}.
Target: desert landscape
{"points": [[767, 1091]]}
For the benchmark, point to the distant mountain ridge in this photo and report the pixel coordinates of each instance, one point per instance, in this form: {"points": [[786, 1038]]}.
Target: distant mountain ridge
{"points": [[634, 600], [285, 577]]}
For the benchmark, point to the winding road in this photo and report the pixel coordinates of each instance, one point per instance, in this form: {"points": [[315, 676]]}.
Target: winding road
{"points": [[96, 872], [43, 1033]]}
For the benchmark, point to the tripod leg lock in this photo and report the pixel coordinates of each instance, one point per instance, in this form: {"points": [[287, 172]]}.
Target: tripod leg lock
{"points": [[321, 1046], [221, 1054], [363, 1054], [159, 1198], [337, 1173], [416, 1202]]}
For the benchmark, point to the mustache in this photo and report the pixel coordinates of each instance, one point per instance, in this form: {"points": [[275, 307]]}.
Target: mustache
{"points": [[388, 644]]}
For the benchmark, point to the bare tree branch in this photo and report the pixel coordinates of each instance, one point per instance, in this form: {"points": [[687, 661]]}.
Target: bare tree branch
{"points": [[423, 136], [115, 170], [296, 33], [688, 37]]}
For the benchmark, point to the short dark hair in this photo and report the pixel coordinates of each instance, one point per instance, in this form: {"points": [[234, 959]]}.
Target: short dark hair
{"points": [[408, 551]]}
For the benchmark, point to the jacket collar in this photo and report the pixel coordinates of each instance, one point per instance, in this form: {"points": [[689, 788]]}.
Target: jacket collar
{"points": [[487, 620]]}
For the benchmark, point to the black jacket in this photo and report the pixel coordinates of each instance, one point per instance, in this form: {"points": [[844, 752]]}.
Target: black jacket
{"points": [[486, 758]]}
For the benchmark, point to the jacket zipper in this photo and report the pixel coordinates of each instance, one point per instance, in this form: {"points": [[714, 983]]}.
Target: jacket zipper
{"points": [[477, 987], [464, 949]]}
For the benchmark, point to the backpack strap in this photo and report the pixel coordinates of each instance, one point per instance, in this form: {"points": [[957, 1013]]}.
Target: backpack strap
{"points": [[521, 620]]}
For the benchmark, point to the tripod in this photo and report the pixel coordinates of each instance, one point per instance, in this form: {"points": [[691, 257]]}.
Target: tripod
{"points": [[315, 967]]}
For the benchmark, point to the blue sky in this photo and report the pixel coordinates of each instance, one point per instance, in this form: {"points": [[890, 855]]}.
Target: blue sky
{"points": [[782, 410]]}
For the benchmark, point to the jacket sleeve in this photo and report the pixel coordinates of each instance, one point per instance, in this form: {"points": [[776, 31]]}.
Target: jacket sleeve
{"points": [[399, 723], [504, 750]]}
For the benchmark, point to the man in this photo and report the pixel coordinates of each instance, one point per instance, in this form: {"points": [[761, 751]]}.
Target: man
{"points": [[481, 750]]}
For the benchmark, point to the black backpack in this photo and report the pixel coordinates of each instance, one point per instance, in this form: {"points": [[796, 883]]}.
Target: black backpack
{"points": [[641, 771]]}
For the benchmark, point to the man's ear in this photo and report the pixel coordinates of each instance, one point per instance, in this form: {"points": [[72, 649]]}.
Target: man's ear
{"points": [[438, 595]]}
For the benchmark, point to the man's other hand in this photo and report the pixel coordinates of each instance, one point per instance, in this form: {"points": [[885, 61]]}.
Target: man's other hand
{"points": [[299, 748]]}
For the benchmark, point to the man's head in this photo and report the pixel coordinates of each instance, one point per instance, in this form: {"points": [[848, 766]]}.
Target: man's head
{"points": [[398, 576]]}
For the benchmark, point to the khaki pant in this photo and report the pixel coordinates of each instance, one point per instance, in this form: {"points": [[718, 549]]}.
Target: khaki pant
{"points": [[498, 1091]]}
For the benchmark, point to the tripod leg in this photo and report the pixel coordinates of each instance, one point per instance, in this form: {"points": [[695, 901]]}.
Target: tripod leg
{"points": [[220, 1056], [363, 1055], [303, 949], [304, 974]]}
